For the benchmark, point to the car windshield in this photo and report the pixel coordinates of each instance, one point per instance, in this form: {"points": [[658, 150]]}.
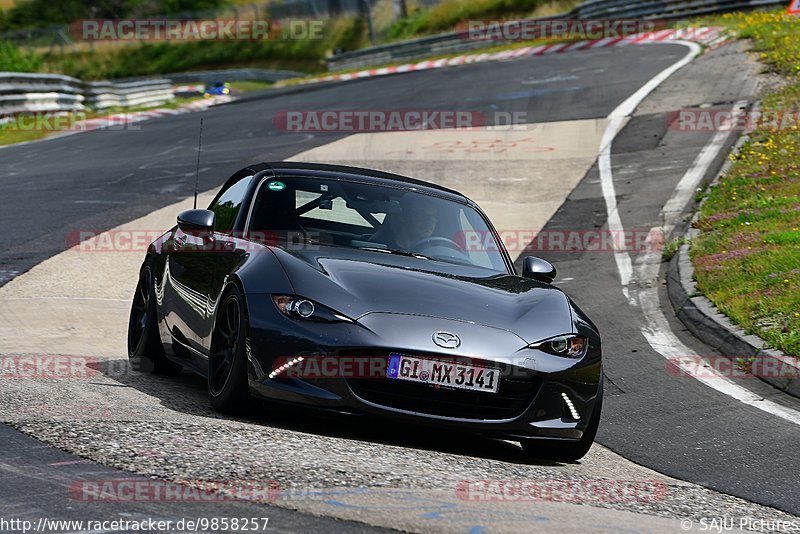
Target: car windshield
{"points": [[290, 210]]}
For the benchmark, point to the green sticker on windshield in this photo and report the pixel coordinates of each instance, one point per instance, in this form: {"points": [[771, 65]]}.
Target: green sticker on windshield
{"points": [[276, 186]]}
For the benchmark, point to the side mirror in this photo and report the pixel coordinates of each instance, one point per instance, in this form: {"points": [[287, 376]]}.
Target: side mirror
{"points": [[196, 221], [538, 269]]}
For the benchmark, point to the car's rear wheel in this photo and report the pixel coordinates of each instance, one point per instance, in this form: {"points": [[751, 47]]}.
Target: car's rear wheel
{"points": [[568, 451], [228, 390], [145, 351]]}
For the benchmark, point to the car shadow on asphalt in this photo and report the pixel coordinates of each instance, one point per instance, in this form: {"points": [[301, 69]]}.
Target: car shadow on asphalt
{"points": [[186, 393]]}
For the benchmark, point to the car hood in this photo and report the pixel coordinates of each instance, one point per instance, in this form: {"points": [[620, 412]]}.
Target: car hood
{"points": [[359, 283]]}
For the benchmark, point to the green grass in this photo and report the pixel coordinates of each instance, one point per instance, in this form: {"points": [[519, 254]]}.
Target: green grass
{"points": [[775, 34], [447, 14], [161, 58], [306, 56], [20, 131], [247, 86], [747, 256], [671, 247], [12, 59]]}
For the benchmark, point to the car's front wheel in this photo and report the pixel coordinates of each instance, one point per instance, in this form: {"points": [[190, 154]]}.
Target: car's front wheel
{"points": [[145, 351], [564, 451], [228, 390]]}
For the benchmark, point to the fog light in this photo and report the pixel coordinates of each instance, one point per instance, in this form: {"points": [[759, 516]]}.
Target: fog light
{"points": [[278, 370], [571, 407]]}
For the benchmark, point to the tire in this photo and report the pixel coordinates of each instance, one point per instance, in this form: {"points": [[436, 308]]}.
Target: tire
{"points": [[228, 390], [145, 351], [565, 451]]}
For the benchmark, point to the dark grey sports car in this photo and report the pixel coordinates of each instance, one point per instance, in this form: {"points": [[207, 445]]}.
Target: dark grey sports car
{"points": [[368, 293]]}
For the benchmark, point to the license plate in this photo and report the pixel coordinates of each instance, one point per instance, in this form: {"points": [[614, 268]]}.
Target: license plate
{"points": [[441, 373]]}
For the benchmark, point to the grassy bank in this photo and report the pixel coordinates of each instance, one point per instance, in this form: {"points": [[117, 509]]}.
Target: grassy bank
{"points": [[120, 60], [446, 15], [27, 128], [151, 58], [747, 257]]}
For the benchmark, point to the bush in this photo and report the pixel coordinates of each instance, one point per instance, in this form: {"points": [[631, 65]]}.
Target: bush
{"points": [[12, 59]]}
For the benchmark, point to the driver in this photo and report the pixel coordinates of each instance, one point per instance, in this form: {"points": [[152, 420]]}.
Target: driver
{"points": [[416, 221]]}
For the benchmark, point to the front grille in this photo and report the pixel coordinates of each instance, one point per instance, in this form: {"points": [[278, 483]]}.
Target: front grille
{"points": [[515, 393]]}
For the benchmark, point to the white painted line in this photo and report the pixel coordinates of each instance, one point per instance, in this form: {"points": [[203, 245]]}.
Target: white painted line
{"points": [[687, 186], [656, 330], [665, 342], [617, 120]]}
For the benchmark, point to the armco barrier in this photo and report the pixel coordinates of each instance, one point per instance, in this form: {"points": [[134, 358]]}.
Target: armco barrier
{"points": [[450, 43], [232, 75], [446, 43], [103, 95], [20, 92]]}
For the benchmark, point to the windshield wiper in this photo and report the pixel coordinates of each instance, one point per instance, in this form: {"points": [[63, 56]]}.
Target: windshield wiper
{"points": [[396, 252]]}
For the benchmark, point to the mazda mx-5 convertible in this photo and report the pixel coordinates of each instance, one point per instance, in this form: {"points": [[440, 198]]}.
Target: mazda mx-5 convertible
{"points": [[371, 294]]}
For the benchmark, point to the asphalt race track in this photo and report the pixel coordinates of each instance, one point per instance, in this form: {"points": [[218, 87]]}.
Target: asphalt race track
{"points": [[715, 455]]}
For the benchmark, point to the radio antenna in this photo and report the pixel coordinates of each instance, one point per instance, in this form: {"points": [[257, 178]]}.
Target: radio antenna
{"points": [[197, 172]]}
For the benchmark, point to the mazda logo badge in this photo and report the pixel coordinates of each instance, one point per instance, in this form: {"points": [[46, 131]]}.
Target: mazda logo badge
{"points": [[446, 340]]}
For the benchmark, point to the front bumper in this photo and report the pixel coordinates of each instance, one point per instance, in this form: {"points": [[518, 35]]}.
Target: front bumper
{"points": [[530, 401]]}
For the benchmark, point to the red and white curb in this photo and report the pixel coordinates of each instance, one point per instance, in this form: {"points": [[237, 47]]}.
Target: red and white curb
{"points": [[711, 37]]}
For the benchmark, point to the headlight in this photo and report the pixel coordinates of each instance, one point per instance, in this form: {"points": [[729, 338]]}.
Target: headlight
{"points": [[298, 307], [568, 346]]}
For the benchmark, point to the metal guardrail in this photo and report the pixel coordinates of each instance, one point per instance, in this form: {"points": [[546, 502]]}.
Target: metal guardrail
{"points": [[233, 75], [446, 43], [454, 42], [103, 95], [21, 92]]}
